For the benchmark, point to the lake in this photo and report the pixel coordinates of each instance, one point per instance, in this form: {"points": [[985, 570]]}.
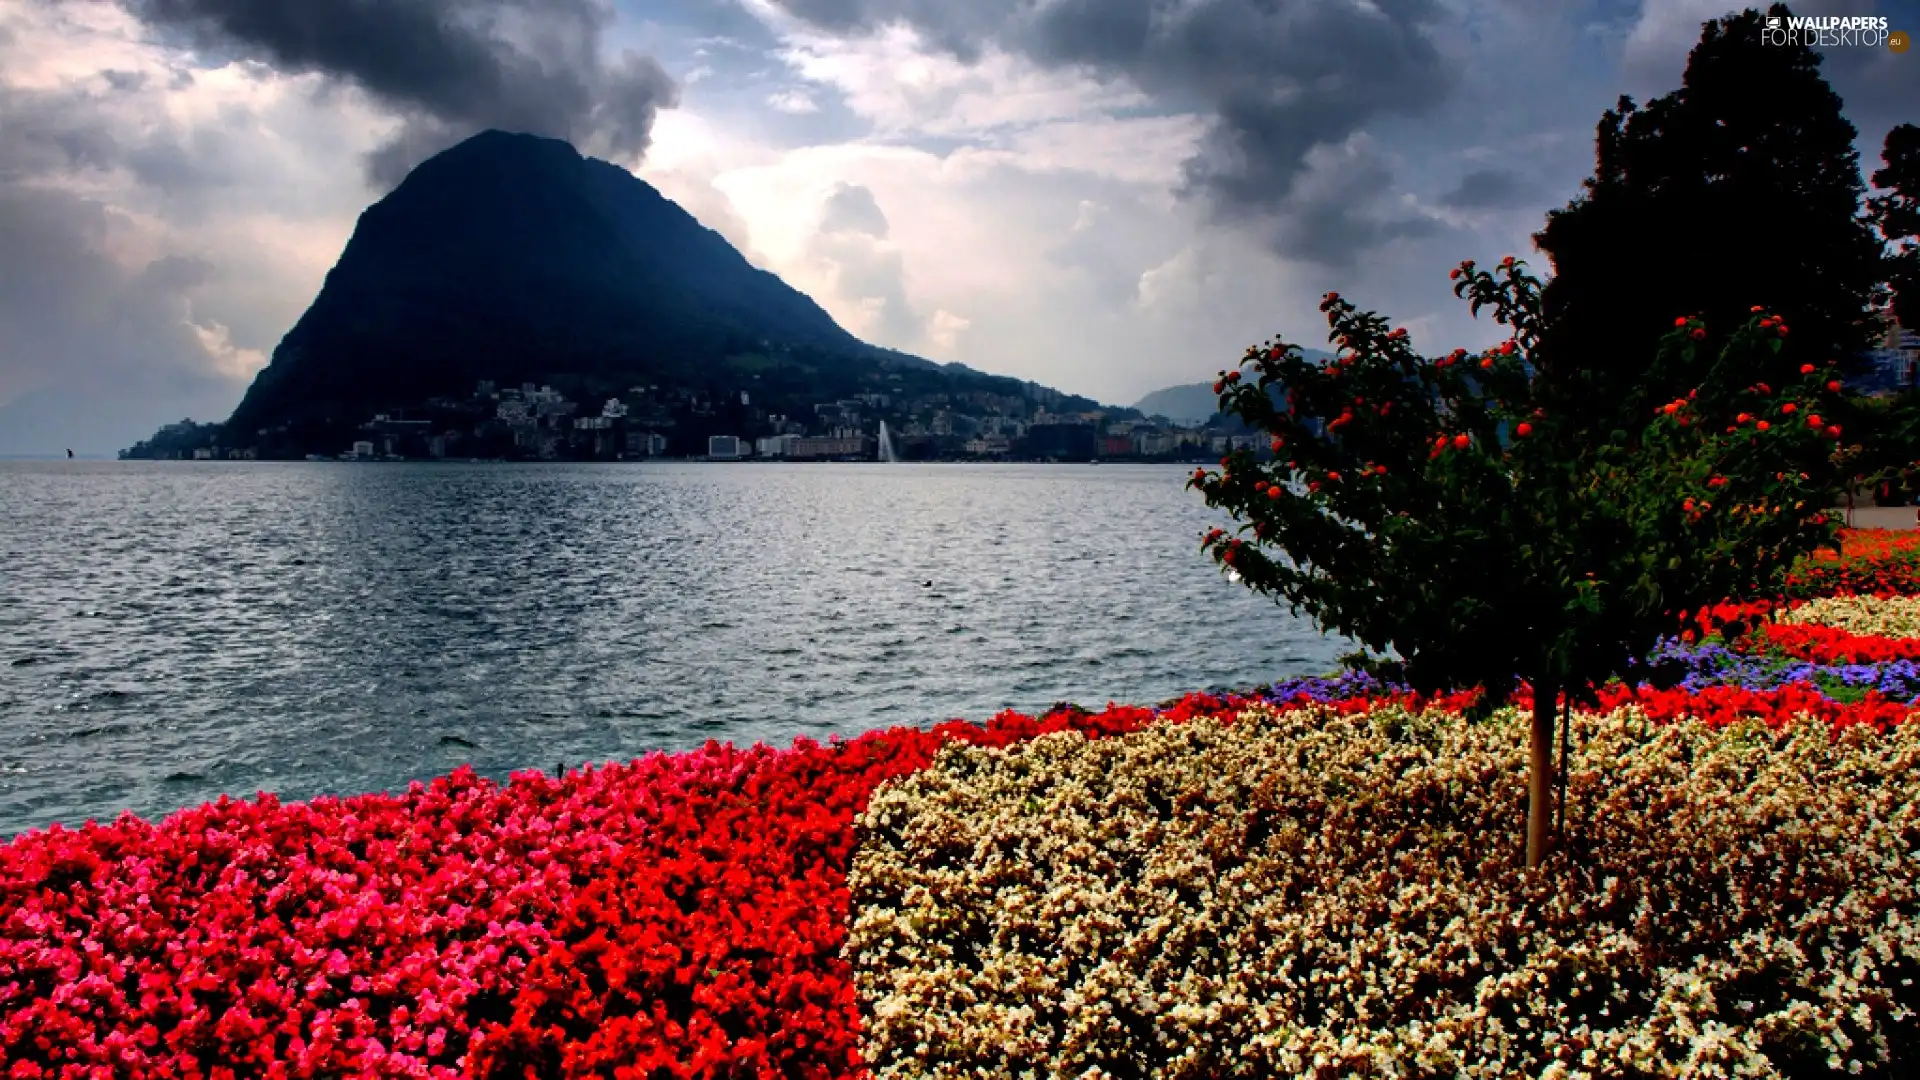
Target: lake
{"points": [[172, 631]]}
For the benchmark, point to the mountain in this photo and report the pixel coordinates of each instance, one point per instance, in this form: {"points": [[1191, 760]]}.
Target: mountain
{"points": [[1196, 402], [512, 258]]}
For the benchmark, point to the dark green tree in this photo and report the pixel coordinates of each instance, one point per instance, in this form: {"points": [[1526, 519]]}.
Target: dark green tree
{"points": [[1442, 509], [1897, 215], [1741, 187]]}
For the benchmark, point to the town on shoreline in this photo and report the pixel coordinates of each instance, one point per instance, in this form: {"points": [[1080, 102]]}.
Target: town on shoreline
{"points": [[536, 422]]}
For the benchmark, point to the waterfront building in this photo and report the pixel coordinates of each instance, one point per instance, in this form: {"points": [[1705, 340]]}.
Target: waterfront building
{"points": [[832, 448], [646, 444], [775, 446]]}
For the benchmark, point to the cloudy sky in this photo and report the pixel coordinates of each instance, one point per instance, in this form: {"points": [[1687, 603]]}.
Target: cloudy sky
{"points": [[1108, 196]]}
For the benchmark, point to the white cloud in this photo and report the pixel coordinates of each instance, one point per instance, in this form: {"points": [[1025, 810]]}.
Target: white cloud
{"points": [[944, 331], [230, 361], [792, 102]]}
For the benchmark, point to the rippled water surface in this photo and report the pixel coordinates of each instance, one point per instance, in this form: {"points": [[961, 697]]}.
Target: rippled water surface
{"points": [[173, 631]]}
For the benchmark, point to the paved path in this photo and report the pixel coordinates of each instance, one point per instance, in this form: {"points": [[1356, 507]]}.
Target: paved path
{"points": [[1884, 517]]}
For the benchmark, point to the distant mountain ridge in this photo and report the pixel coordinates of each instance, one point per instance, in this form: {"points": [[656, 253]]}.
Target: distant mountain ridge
{"points": [[1196, 402], [513, 258]]}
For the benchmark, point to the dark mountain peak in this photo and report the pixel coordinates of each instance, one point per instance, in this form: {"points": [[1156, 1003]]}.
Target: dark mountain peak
{"points": [[512, 257]]}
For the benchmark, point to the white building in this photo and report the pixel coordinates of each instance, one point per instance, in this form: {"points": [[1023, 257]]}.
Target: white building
{"points": [[775, 446], [363, 449], [1153, 443], [725, 448], [614, 409]]}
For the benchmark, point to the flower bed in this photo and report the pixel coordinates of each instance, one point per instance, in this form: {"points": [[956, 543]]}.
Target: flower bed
{"points": [[1312, 893], [1698, 668], [1871, 561], [682, 912], [1885, 616], [1830, 645]]}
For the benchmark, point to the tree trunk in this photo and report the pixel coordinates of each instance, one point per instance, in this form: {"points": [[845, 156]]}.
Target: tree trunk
{"points": [[1540, 775]]}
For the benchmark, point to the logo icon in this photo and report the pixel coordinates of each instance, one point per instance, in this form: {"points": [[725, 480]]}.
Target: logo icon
{"points": [[1899, 40], [1773, 22]]}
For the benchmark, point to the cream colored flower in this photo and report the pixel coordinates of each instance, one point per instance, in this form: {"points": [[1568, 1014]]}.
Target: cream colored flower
{"points": [[1301, 893], [1892, 616]]}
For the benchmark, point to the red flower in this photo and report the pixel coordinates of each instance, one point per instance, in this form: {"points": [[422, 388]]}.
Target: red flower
{"points": [[1487, 363], [1681, 321], [1833, 386], [1763, 425], [1806, 369], [1524, 429], [1789, 408], [1461, 442], [1698, 334]]}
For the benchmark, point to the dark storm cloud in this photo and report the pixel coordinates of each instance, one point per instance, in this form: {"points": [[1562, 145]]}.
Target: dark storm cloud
{"points": [[851, 208], [1343, 207], [1483, 189], [1278, 77], [450, 68]]}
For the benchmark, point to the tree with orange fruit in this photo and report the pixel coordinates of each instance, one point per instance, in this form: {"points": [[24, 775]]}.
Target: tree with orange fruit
{"points": [[1444, 512]]}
